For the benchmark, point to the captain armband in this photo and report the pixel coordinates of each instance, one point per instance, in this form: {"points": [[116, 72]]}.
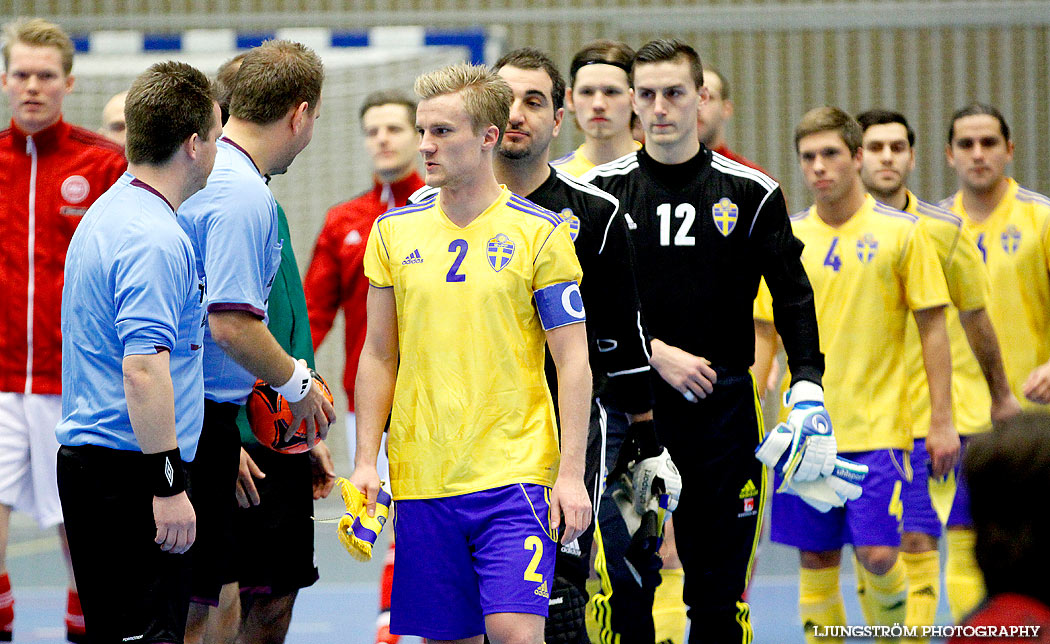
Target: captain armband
{"points": [[560, 305]]}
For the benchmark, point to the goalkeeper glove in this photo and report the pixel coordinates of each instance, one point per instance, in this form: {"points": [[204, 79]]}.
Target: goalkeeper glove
{"points": [[656, 479], [357, 531], [830, 491], [803, 448]]}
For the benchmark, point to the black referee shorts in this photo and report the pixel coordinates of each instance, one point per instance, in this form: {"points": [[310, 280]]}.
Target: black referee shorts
{"points": [[130, 590], [275, 539], [212, 482]]}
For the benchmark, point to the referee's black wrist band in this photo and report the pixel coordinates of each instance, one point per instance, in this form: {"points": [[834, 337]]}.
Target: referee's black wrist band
{"points": [[166, 473]]}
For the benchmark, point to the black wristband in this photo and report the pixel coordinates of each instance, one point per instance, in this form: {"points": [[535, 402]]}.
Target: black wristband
{"points": [[166, 472]]}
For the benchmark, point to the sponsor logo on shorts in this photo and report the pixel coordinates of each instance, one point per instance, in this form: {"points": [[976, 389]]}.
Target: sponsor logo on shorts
{"points": [[747, 496], [749, 490], [542, 590], [413, 258]]}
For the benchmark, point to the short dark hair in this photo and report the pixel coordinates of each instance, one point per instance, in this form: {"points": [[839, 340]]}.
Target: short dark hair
{"points": [[532, 58], [830, 119], [710, 69], [885, 117], [165, 105], [275, 77], [1002, 468], [390, 97], [604, 52], [669, 49], [225, 79], [979, 109]]}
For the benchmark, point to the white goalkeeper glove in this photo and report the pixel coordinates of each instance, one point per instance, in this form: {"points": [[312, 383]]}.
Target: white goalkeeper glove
{"points": [[803, 448], [656, 479], [831, 491]]}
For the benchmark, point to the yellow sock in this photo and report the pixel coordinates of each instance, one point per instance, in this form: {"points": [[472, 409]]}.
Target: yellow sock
{"points": [[668, 607], [820, 603], [923, 571], [862, 590], [887, 595], [963, 581]]}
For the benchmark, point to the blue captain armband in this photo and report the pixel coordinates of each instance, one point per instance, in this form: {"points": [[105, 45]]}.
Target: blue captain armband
{"points": [[560, 305]]}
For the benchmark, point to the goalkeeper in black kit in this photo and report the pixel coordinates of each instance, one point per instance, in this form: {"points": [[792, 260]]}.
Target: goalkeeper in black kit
{"points": [[619, 352], [705, 229]]}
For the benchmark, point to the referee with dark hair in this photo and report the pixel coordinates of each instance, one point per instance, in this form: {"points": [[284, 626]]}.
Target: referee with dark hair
{"points": [[705, 230], [133, 380]]}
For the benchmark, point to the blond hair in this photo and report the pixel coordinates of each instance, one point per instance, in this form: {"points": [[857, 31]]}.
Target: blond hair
{"points": [[830, 119], [38, 32], [486, 96]]}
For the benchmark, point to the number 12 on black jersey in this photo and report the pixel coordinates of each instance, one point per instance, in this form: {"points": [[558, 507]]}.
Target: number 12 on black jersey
{"points": [[684, 211]]}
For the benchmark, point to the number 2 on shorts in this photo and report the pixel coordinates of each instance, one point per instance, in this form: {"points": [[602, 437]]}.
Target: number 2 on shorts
{"points": [[533, 543]]}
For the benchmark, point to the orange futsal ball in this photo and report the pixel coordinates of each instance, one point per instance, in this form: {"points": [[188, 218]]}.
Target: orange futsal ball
{"points": [[269, 416]]}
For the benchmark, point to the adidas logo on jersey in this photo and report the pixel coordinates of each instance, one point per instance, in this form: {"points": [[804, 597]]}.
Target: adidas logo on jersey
{"points": [[414, 258], [542, 590]]}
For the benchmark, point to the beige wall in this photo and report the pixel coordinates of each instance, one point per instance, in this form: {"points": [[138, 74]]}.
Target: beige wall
{"points": [[923, 58]]}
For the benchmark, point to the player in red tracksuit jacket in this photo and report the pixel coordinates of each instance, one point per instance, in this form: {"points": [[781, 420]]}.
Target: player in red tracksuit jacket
{"points": [[50, 172], [336, 276]]}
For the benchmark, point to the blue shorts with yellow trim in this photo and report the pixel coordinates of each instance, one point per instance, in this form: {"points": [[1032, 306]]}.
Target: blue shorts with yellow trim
{"points": [[872, 520], [460, 558]]}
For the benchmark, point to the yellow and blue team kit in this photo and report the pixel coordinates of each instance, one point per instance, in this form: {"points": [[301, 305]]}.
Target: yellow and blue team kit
{"points": [[471, 407]]}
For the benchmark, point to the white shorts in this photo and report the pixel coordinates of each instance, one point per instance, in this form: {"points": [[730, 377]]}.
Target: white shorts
{"points": [[29, 454], [382, 464]]}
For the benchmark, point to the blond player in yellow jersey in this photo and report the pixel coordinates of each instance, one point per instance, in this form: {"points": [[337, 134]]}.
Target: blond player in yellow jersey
{"points": [[465, 290], [871, 268], [980, 391], [599, 94]]}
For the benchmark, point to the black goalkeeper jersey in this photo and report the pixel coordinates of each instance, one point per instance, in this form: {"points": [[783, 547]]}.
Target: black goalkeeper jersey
{"points": [[704, 232], [617, 343]]}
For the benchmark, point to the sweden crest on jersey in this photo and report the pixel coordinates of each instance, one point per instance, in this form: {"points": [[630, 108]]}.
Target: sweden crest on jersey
{"points": [[725, 213], [1011, 239], [500, 250], [574, 222], [867, 246]]}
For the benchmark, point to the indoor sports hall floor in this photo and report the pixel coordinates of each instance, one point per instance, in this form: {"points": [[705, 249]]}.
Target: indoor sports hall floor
{"points": [[340, 608]]}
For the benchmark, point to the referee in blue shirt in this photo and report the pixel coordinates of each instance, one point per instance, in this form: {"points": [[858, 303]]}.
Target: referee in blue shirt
{"points": [[132, 380]]}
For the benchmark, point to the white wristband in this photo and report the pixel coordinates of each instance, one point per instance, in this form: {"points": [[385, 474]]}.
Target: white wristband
{"points": [[298, 385]]}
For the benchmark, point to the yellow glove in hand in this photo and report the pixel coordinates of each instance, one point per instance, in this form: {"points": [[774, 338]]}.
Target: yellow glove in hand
{"points": [[358, 531]]}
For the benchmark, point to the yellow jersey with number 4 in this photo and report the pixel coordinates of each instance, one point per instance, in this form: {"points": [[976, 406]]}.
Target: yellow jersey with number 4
{"points": [[471, 407], [1015, 244], [967, 282], [868, 275]]}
